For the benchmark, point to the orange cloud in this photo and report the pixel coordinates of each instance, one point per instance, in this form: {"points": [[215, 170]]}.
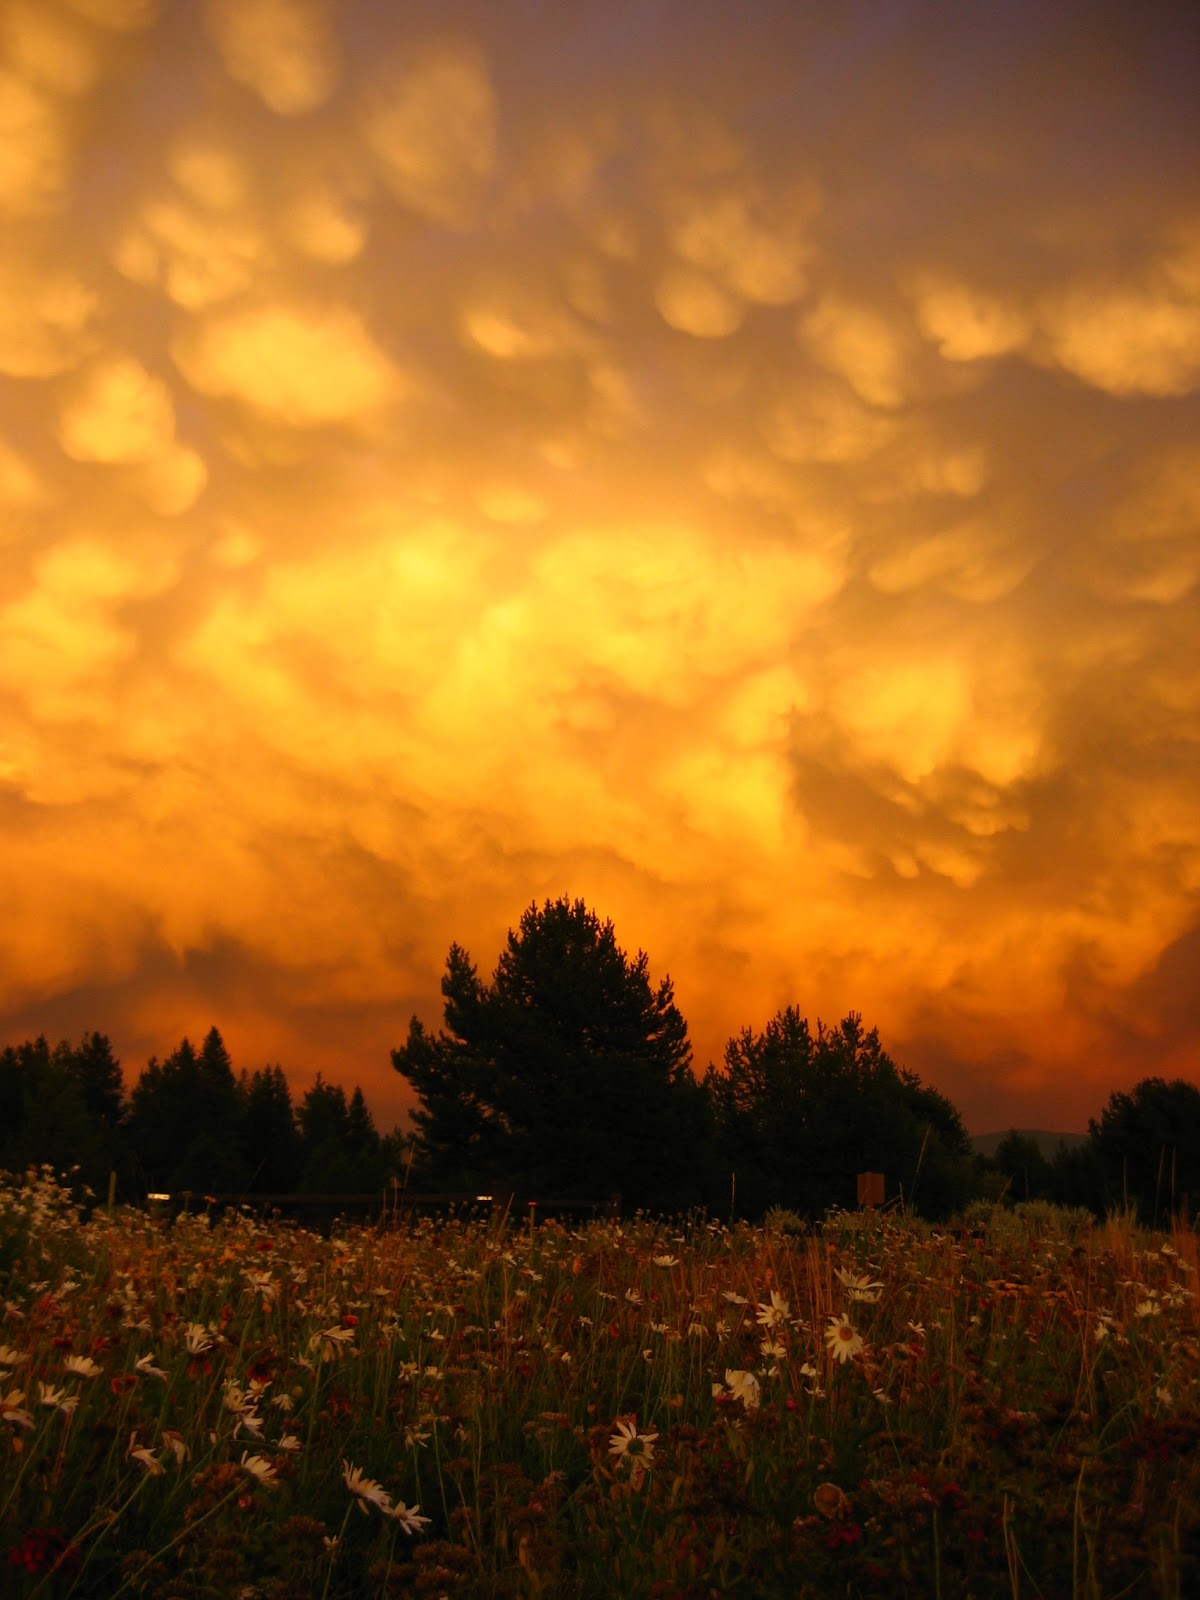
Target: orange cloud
{"points": [[120, 412], [431, 120], [725, 472], [33, 148], [284, 50], [1128, 341], [44, 320], [306, 368], [968, 324], [47, 48], [695, 304]]}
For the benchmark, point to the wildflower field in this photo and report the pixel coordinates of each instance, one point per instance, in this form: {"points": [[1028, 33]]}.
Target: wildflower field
{"points": [[480, 1407]]}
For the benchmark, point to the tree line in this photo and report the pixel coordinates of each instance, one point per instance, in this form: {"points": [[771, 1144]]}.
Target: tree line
{"points": [[570, 1072], [189, 1123], [1142, 1154], [568, 1076]]}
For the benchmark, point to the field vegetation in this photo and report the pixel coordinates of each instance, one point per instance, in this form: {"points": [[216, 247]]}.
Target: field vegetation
{"points": [[477, 1406]]}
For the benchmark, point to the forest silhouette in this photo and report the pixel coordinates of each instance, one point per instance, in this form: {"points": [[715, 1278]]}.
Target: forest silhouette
{"points": [[568, 1077]]}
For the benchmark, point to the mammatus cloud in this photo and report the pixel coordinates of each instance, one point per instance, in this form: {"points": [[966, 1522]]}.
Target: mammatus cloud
{"points": [[430, 119], [744, 476], [122, 16], [695, 304], [1127, 341], [119, 413], [967, 323], [285, 51], [51, 50], [306, 366], [44, 317], [33, 156]]}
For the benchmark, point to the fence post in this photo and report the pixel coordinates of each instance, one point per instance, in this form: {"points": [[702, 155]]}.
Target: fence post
{"points": [[870, 1189]]}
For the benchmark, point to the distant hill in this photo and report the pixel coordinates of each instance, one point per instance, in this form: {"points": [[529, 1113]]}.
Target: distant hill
{"points": [[986, 1144]]}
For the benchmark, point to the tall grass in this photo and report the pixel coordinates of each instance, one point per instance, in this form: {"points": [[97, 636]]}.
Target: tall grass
{"points": [[241, 1408]]}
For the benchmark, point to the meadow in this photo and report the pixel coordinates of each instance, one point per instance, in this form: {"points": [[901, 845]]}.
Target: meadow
{"points": [[476, 1406]]}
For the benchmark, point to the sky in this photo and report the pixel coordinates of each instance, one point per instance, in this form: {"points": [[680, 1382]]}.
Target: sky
{"points": [[738, 466]]}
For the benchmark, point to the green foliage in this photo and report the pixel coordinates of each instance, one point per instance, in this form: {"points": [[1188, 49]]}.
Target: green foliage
{"points": [[780, 1220], [568, 1076], [1012, 1226]]}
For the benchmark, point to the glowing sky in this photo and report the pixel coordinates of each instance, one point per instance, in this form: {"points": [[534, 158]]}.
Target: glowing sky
{"points": [[737, 466]]}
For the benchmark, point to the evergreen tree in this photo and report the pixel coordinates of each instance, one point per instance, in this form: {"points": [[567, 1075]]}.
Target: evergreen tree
{"points": [[12, 1109], [567, 1077], [1077, 1177], [340, 1149], [271, 1138], [185, 1121], [100, 1076], [1147, 1144], [164, 1112], [799, 1115], [363, 1142], [1019, 1158], [45, 1115], [326, 1163], [217, 1162]]}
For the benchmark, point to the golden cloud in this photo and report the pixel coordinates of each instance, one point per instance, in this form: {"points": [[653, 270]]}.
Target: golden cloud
{"points": [[20, 485], [442, 470], [510, 503], [47, 48], [61, 641], [512, 322], [200, 259], [284, 50], [44, 315], [122, 16], [209, 174], [118, 413], [734, 236], [33, 148], [816, 423], [431, 121], [173, 482], [84, 568], [968, 324], [694, 304], [669, 609], [861, 345], [979, 560], [326, 226], [303, 367], [1127, 341], [910, 715]]}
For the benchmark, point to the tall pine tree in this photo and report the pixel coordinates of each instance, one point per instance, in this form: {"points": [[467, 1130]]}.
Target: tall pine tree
{"points": [[568, 1076]]}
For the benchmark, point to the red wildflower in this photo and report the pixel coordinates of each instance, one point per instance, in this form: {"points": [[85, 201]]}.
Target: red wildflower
{"points": [[844, 1536], [44, 1550]]}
